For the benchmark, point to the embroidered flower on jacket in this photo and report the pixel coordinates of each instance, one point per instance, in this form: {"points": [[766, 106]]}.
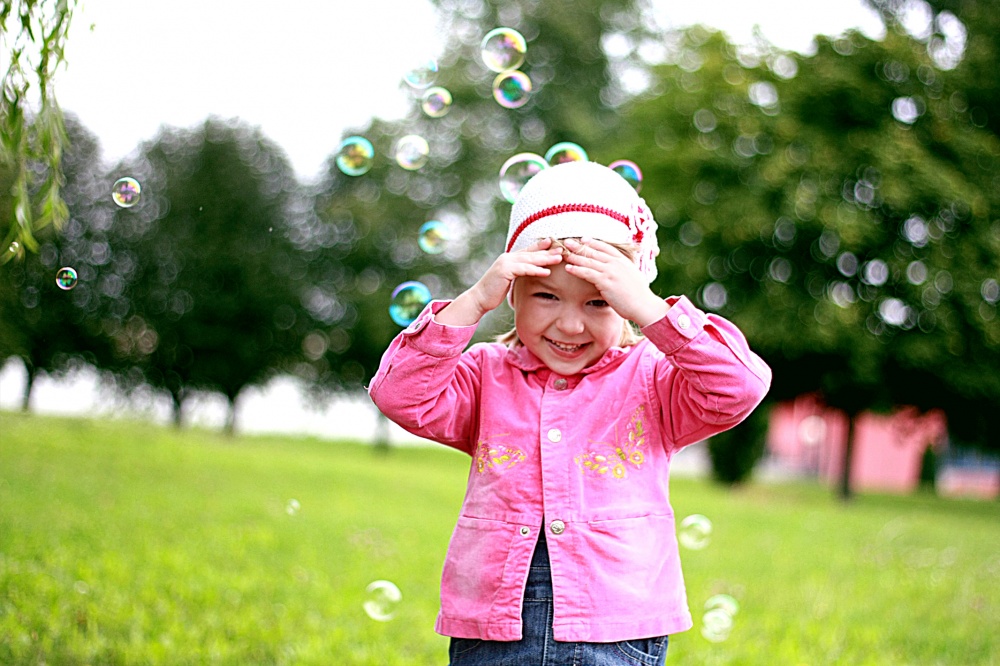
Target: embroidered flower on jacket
{"points": [[497, 457], [616, 457]]}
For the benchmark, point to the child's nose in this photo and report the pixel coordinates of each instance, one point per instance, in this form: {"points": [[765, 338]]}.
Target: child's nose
{"points": [[570, 321]]}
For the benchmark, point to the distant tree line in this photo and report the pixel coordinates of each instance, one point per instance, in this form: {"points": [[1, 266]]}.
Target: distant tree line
{"points": [[841, 208]]}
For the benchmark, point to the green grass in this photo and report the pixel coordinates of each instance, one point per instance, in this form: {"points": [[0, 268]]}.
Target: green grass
{"points": [[129, 543]]}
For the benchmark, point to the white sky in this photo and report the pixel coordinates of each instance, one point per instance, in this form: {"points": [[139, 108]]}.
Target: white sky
{"points": [[307, 71]]}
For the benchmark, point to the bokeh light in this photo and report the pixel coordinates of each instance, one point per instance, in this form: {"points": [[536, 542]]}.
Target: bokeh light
{"points": [[517, 171], [411, 152], [695, 532], [423, 75], [511, 89], [292, 507], [355, 156], [433, 237], [565, 151], [126, 191], [436, 102], [382, 598], [503, 49], [408, 301], [66, 278], [628, 170]]}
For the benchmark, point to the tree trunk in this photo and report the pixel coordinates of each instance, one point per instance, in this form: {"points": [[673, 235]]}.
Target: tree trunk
{"points": [[178, 402], [844, 491], [230, 428], [29, 382]]}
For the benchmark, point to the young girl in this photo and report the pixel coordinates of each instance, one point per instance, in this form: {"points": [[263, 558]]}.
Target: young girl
{"points": [[565, 549]]}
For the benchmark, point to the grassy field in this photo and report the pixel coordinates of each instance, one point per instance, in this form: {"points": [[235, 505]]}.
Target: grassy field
{"points": [[129, 543]]}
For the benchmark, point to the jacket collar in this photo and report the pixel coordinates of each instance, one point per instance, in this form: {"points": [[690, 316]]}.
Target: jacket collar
{"points": [[523, 359]]}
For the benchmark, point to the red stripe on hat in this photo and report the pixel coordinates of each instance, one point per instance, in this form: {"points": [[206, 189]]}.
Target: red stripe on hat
{"points": [[565, 208]]}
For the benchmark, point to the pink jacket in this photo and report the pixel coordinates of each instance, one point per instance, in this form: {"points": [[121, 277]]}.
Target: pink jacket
{"points": [[585, 457]]}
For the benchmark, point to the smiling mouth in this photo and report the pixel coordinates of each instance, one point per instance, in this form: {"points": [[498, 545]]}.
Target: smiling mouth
{"points": [[566, 349]]}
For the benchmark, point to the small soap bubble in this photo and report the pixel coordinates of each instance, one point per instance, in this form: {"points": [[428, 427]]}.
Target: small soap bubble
{"points": [[408, 301], [511, 89], [436, 102], [66, 278], [433, 237], [628, 170], [14, 247], [125, 192], [717, 622], [355, 156], [723, 601], [81, 587], [503, 49], [293, 506], [716, 625], [695, 532], [423, 75], [565, 151], [517, 171], [382, 599], [411, 152]]}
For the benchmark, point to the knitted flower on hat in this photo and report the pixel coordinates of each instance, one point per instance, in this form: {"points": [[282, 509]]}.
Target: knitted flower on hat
{"points": [[584, 200]]}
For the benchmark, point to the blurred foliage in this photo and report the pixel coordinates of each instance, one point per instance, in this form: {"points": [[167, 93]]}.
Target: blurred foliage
{"points": [[735, 452], [32, 130], [209, 290], [840, 207]]}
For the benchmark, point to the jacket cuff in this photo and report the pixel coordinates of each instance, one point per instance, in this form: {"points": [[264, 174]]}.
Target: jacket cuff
{"points": [[430, 337], [682, 323]]}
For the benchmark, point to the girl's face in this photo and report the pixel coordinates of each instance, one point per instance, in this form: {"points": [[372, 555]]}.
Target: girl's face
{"points": [[564, 321]]}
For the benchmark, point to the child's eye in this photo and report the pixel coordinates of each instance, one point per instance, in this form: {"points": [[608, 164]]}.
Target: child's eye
{"points": [[545, 295], [598, 303]]}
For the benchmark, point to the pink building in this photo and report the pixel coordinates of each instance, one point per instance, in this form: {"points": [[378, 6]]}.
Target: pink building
{"points": [[808, 438]]}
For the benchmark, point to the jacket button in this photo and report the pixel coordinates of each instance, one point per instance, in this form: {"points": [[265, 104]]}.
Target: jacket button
{"points": [[525, 531], [557, 527], [684, 321], [560, 384], [554, 435]]}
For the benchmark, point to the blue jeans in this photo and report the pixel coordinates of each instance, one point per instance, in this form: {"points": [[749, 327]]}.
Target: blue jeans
{"points": [[538, 648]]}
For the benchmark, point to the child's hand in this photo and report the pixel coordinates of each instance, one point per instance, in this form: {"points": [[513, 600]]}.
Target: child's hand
{"points": [[491, 289], [617, 278]]}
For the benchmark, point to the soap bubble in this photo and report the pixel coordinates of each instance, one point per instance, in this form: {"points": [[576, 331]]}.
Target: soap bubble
{"points": [[411, 152], [14, 247], [503, 49], [66, 278], [717, 622], [125, 192], [565, 151], [383, 597], [695, 532], [422, 75], [292, 507], [436, 102], [517, 171], [355, 155], [433, 237], [716, 625], [408, 301], [628, 170], [511, 89]]}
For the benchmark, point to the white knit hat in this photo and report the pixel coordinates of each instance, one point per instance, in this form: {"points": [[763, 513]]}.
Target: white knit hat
{"points": [[584, 199]]}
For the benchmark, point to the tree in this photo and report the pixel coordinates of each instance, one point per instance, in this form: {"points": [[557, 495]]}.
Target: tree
{"points": [[30, 138], [52, 329], [834, 207], [363, 229], [212, 299]]}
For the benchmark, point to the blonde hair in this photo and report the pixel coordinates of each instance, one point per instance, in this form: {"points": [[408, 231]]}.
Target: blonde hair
{"points": [[631, 334]]}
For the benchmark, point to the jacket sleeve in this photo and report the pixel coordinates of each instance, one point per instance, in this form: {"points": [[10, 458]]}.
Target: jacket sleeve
{"points": [[708, 379], [426, 384]]}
